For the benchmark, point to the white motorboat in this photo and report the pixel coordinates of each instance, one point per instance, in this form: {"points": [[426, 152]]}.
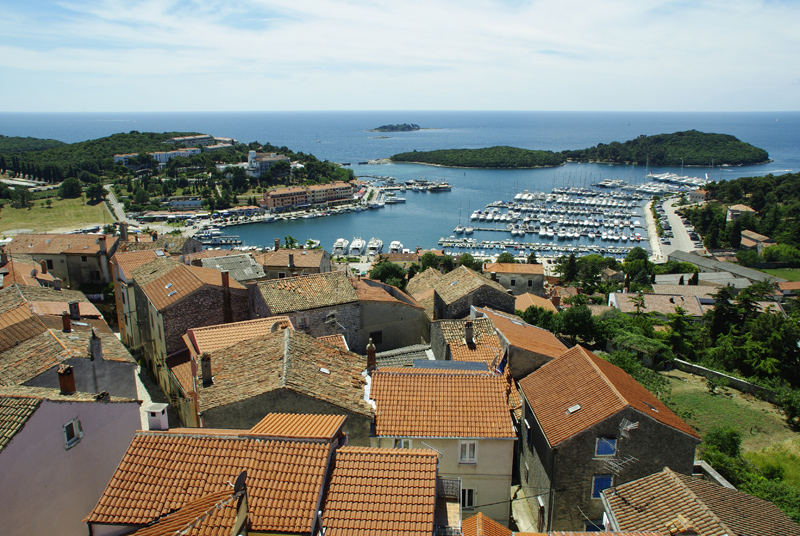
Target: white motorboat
{"points": [[396, 247], [357, 246], [340, 246], [374, 246]]}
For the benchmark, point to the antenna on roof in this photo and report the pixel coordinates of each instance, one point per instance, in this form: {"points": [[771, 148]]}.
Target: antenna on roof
{"points": [[626, 426]]}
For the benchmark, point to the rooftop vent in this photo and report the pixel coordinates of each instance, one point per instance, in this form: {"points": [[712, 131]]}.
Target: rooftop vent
{"points": [[573, 409], [172, 293], [324, 370]]}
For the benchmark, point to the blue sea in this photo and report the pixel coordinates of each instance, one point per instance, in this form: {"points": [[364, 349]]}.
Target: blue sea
{"points": [[424, 218]]}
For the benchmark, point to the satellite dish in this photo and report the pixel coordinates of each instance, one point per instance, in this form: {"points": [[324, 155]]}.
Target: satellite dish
{"points": [[239, 484], [34, 272]]}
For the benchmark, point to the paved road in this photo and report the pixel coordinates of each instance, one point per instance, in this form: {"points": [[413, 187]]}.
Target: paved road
{"points": [[680, 241]]}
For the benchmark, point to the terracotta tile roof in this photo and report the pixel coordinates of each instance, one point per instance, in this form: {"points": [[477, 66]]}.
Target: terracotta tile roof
{"points": [[128, 261], [217, 337], [337, 340], [45, 294], [653, 502], [77, 340], [152, 270], [17, 325], [30, 358], [303, 258], [789, 285], [241, 267], [14, 413], [453, 330], [579, 377], [161, 472], [55, 244], [756, 237], [423, 281], [374, 292], [180, 281], [211, 514], [528, 300], [50, 308], [285, 360], [598, 310], [173, 244], [526, 336], [741, 208], [27, 274], [661, 304], [481, 525], [454, 285], [190, 258], [307, 292], [436, 403], [486, 349], [381, 492], [609, 533], [513, 268], [289, 426]]}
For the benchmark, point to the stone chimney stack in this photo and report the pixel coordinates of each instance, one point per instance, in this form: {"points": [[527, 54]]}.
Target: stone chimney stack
{"points": [[154, 235], [227, 305], [101, 241], [372, 360], [136, 237], [556, 300], [66, 379], [57, 283], [468, 333], [205, 369], [66, 325], [43, 264], [277, 244], [123, 231], [95, 347], [74, 310], [291, 260]]}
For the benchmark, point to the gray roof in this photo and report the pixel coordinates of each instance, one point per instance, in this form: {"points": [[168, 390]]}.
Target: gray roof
{"points": [[711, 265], [712, 278], [404, 357], [241, 267]]}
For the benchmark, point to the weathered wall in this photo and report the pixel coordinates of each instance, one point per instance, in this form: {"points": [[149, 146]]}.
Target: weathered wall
{"points": [[485, 296], [247, 413], [115, 377], [523, 283], [399, 324]]}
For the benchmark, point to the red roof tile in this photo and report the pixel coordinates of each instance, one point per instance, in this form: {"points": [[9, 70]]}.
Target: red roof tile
{"points": [[481, 525], [381, 492], [526, 336], [286, 425], [161, 472], [579, 377], [435, 403]]}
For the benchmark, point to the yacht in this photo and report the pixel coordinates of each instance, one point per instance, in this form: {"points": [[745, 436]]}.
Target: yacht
{"points": [[340, 246], [357, 246], [395, 247], [469, 229], [374, 246], [459, 229]]}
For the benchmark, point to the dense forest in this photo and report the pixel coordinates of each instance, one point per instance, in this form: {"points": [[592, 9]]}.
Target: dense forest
{"points": [[405, 127], [776, 200], [491, 157], [14, 144], [690, 148], [94, 158]]}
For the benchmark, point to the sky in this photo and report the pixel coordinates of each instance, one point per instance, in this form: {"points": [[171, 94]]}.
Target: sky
{"points": [[286, 55]]}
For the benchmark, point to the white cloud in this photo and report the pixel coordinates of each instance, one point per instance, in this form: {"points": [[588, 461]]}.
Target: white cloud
{"points": [[432, 54]]}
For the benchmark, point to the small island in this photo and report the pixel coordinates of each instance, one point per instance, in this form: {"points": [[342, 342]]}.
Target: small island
{"points": [[405, 127], [689, 148]]}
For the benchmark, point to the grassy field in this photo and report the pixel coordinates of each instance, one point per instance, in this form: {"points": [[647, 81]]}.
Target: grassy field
{"points": [[64, 214], [766, 438], [790, 274]]}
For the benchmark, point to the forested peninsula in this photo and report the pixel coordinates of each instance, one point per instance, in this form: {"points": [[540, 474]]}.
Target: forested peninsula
{"points": [[689, 148], [16, 144]]}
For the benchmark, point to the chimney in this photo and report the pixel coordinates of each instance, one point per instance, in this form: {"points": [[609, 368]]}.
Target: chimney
{"points": [[556, 300], [226, 279], [136, 237], [123, 232], [102, 243], [103, 396], [468, 333], [277, 244], [227, 306], [205, 369], [56, 283], [66, 325], [372, 360], [3, 258], [66, 379], [74, 310], [157, 418], [154, 235], [95, 347], [43, 264], [291, 260]]}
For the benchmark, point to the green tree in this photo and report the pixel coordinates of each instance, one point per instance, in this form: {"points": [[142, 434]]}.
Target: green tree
{"points": [[532, 258], [389, 273], [289, 242], [429, 260], [95, 192], [576, 322], [70, 189], [506, 257]]}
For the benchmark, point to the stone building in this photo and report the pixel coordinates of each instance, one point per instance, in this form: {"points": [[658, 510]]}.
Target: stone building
{"points": [[587, 426], [518, 278], [293, 262]]}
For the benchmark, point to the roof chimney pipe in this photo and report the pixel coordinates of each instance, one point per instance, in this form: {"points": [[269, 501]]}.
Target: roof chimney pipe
{"points": [[205, 369], [469, 333], [66, 325], [95, 347], [43, 264], [74, 310], [101, 241], [291, 260], [66, 379], [372, 360], [123, 231], [277, 244], [57, 283]]}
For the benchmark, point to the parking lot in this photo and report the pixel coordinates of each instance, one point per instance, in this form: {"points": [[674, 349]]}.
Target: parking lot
{"points": [[678, 234]]}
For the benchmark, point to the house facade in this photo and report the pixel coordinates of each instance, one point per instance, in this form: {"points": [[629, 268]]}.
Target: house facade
{"points": [[587, 426], [518, 278]]}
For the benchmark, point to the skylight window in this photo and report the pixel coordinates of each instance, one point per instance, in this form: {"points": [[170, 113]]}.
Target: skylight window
{"points": [[172, 293], [573, 409], [324, 370], [168, 285], [651, 406]]}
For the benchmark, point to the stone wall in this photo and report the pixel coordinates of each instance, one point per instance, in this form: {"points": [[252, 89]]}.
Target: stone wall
{"points": [[737, 383], [398, 324]]}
